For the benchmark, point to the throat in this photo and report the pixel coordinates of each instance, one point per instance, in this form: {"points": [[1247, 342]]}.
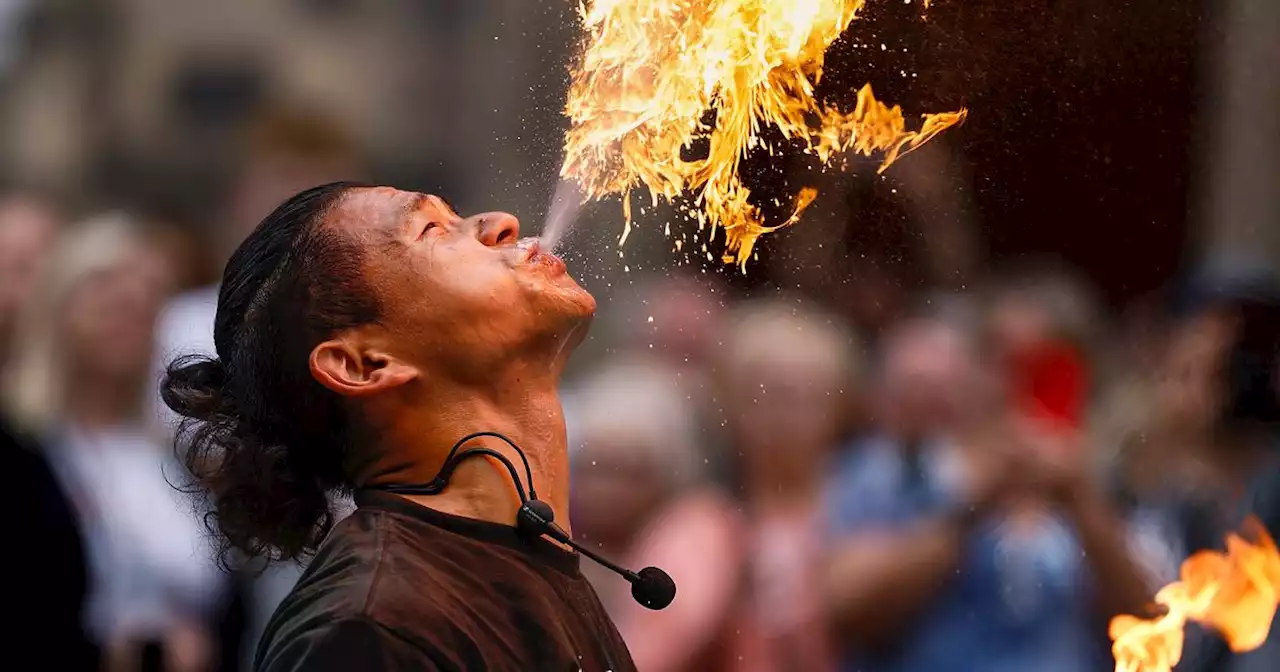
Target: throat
{"points": [[481, 486]]}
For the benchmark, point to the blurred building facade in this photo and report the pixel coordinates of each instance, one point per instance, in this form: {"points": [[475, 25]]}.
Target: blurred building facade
{"points": [[106, 96], [105, 90]]}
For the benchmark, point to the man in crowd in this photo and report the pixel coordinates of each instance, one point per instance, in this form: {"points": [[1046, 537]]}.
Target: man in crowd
{"points": [[966, 539]]}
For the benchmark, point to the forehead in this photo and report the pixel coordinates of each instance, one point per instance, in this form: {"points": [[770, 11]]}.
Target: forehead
{"points": [[380, 209], [371, 208]]}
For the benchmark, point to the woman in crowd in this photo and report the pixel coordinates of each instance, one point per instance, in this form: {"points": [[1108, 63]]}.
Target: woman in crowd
{"points": [[632, 432], [78, 381], [746, 553]]}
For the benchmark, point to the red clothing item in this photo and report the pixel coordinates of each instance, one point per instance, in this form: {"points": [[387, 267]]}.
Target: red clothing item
{"points": [[1051, 384]]}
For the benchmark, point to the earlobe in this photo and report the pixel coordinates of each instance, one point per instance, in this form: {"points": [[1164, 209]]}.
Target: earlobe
{"points": [[341, 367]]}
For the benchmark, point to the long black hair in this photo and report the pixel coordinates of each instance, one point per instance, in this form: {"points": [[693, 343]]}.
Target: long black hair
{"points": [[264, 442]]}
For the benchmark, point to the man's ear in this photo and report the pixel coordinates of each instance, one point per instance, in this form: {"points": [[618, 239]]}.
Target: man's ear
{"points": [[343, 368]]}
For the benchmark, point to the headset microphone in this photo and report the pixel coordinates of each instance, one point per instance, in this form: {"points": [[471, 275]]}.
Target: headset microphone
{"points": [[651, 587]]}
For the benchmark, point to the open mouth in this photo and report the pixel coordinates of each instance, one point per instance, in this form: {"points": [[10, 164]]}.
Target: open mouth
{"points": [[531, 252], [529, 248]]}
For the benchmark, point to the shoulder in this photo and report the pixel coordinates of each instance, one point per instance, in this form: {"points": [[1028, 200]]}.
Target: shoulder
{"points": [[342, 598], [354, 642]]}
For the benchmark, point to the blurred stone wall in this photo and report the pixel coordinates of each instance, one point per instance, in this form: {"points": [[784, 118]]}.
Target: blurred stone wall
{"points": [[458, 96]]}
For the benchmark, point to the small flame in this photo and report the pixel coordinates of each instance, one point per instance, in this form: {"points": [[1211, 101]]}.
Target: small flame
{"points": [[1234, 593], [653, 69]]}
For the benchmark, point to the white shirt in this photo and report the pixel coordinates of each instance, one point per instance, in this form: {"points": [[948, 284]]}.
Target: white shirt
{"points": [[185, 327], [150, 560]]}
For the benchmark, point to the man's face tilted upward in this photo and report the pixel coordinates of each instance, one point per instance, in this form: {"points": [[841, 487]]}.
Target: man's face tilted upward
{"points": [[459, 296]]}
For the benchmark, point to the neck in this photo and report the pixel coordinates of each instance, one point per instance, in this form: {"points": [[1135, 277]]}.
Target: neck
{"points": [[526, 409], [94, 402]]}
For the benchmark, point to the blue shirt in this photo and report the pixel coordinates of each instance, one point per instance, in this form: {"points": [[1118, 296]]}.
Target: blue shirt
{"points": [[1017, 602]]}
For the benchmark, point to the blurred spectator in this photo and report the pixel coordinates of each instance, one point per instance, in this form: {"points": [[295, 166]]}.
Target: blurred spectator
{"points": [[79, 379], [968, 535], [181, 248], [28, 226], [1041, 327], [1215, 406], [684, 316], [1162, 427], [634, 431], [56, 567], [747, 555], [676, 319]]}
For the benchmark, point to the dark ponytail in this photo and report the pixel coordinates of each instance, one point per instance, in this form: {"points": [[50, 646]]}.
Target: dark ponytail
{"points": [[264, 442]]}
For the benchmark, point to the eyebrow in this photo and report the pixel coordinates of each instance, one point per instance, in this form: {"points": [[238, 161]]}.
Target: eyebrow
{"points": [[449, 204], [413, 204], [420, 199]]}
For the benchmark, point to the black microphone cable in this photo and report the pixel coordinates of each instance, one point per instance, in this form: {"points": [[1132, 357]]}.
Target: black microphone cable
{"points": [[651, 587]]}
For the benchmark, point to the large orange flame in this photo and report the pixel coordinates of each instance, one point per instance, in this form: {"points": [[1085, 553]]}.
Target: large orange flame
{"points": [[653, 69], [1235, 593]]}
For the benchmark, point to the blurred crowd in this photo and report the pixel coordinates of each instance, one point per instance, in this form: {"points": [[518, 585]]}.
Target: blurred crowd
{"points": [[978, 479]]}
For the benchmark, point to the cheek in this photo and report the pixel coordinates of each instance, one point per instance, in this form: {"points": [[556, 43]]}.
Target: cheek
{"points": [[464, 281], [459, 311]]}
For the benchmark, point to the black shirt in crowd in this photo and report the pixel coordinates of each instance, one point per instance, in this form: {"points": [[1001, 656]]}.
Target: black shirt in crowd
{"points": [[49, 567], [399, 586]]}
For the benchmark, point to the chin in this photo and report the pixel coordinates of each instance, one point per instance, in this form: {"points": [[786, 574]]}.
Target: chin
{"points": [[568, 310], [560, 294], [574, 302]]}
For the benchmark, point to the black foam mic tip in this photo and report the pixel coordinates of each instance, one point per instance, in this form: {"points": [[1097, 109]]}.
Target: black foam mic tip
{"points": [[653, 588]]}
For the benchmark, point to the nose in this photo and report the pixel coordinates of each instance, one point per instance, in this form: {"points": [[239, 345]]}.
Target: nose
{"points": [[496, 228]]}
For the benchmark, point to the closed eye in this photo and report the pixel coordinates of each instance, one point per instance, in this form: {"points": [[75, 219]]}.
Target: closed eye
{"points": [[431, 224]]}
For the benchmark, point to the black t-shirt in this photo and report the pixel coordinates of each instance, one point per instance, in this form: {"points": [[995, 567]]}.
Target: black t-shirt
{"points": [[398, 586]]}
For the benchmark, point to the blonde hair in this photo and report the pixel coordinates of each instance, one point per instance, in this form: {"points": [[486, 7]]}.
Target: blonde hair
{"points": [[782, 332], [641, 401], [34, 385]]}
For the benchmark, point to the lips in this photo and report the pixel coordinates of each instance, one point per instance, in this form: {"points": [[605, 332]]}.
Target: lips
{"points": [[531, 253], [529, 248]]}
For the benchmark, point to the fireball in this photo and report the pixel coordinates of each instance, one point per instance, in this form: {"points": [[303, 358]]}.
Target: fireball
{"points": [[658, 77]]}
